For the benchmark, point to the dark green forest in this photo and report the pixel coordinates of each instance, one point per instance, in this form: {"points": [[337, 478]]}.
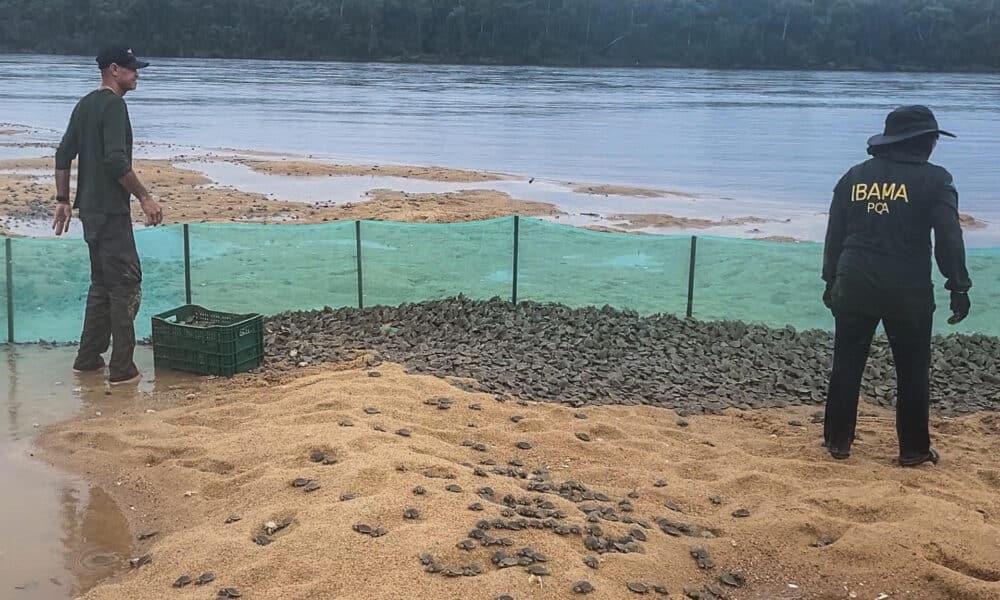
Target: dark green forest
{"points": [[949, 35]]}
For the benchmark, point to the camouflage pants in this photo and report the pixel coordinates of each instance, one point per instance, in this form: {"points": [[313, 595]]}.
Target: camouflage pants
{"points": [[114, 297]]}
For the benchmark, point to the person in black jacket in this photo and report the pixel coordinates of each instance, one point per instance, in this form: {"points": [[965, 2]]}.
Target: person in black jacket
{"points": [[877, 267]]}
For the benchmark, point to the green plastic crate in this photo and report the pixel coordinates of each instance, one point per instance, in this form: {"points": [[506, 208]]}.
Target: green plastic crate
{"points": [[197, 340]]}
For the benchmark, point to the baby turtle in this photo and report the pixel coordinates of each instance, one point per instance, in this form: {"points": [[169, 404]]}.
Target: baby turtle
{"points": [[348, 496], [523, 445], [369, 530], [673, 506], [454, 488], [273, 527], [503, 597], [716, 500], [702, 557], [580, 415], [475, 406], [591, 561], [146, 535], [345, 423], [741, 513], [140, 560], [232, 519], [312, 486], [466, 545], [371, 410], [205, 578], [419, 491], [229, 592], [404, 432], [539, 570], [182, 581], [300, 482], [517, 418], [378, 428], [480, 472], [583, 587], [262, 539], [476, 506], [637, 587], [582, 436], [731, 579], [480, 447], [660, 483], [426, 559], [374, 374], [317, 456], [411, 514]]}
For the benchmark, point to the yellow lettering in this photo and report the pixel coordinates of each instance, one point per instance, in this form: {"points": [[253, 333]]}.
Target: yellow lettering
{"points": [[879, 208], [860, 192], [901, 193], [888, 191], [874, 192]]}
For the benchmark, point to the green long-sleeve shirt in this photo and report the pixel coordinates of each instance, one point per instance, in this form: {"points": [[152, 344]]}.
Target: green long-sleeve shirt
{"points": [[100, 133]]}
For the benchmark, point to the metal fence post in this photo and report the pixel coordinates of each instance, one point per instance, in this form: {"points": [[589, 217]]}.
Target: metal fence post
{"points": [[517, 235], [9, 259], [694, 253], [187, 265], [357, 239]]}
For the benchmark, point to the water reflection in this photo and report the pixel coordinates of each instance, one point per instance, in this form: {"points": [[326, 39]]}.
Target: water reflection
{"points": [[61, 536]]}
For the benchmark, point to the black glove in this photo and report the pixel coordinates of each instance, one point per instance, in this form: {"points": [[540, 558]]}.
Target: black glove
{"points": [[828, 296], [960, 305]]}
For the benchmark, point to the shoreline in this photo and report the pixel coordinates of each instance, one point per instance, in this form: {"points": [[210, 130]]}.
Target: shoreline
{"points": [[263, 193], [908, 69]]}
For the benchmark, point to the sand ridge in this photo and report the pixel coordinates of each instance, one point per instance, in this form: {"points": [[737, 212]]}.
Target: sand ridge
{"points": [[927, 533]]}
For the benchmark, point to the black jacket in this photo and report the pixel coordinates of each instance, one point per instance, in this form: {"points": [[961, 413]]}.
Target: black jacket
{"points": [[877, 255]]}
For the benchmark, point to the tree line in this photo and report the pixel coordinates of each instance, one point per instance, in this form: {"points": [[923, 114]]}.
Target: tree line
{"points": [[954, 35]]}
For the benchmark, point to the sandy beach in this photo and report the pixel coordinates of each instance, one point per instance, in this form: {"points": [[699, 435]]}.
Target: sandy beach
{"points": [[752, 488]]}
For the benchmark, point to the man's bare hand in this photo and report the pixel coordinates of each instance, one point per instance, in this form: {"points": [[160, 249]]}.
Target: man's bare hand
{"points": [[154, 214], [64, 212]]}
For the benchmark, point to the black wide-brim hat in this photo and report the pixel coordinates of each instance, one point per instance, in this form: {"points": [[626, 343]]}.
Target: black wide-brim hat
{"points": [[907, 122]]}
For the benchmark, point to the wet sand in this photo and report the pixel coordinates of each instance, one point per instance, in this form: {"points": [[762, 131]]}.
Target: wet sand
{"points": [[233, 448], [185, 198], [641, 221], [625, 190], [62, 534], [312, 168]]}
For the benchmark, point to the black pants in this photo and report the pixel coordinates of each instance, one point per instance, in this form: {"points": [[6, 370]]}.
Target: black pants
{"points": [[115, 295], [910, 340]]}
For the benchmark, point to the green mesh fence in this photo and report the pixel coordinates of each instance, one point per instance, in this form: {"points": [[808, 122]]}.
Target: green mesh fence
{"points": [[407, 262], [578, 267], [7, 247], [274, 268], [759, 281], [51, 279]]}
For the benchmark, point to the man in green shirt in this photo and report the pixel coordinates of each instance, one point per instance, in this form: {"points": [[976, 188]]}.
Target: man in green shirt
{"points": [[100, 134]]}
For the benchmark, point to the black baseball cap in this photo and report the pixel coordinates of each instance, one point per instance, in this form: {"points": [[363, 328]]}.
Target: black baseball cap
{"points": [[121, 56], [907, 122]]}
